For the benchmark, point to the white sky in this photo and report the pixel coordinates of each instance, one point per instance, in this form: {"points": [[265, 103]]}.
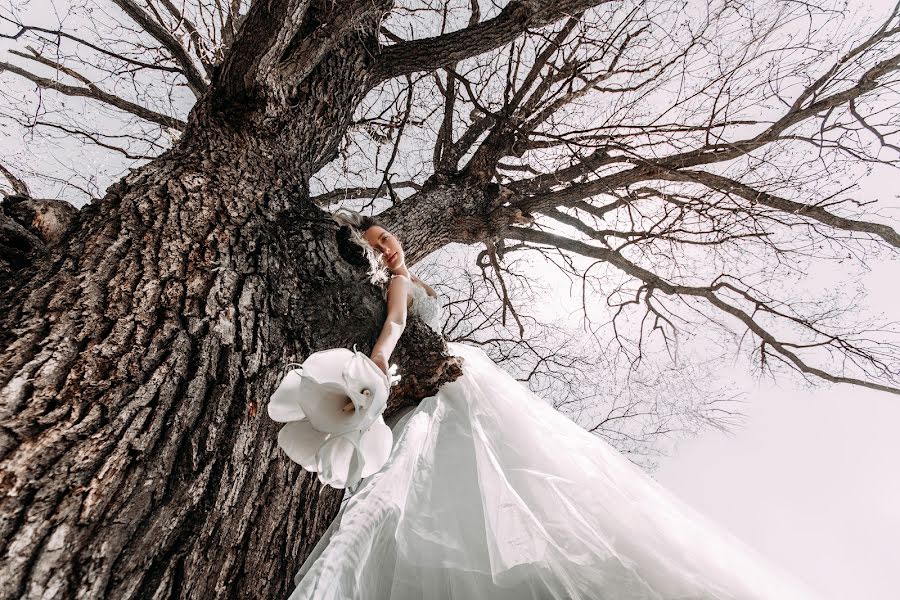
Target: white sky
{"points": [[811, 481], [813, 478]]}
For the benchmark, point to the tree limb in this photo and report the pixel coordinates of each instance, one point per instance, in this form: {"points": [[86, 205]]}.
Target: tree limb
{"points": [[435, 52], [651, 280], [96, 93], [357, 192], [19, 186], [194, 78], [724, 184], [59, 33]]}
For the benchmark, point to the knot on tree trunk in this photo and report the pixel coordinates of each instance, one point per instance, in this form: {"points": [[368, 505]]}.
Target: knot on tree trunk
{"points": [[28, 228], [49, 219]]}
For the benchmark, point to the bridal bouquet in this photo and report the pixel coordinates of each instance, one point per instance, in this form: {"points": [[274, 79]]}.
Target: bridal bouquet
{"points": [[341, 446]]}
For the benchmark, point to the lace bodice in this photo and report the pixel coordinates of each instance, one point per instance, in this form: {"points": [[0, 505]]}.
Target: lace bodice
{"points": [[427, 308]]}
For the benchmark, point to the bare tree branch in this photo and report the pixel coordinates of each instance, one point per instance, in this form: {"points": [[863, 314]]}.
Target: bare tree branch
{"points": [[95, 93], [19, 187], [59, 33], [724, 184], [194, 78], [654, 282], [436, 52]]}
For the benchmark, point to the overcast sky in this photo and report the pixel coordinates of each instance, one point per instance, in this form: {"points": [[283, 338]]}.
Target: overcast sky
{"points": [[813, 478], [811, 482]]}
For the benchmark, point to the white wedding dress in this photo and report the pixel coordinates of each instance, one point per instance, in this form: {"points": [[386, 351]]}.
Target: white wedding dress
{"points": [[491, 493]]}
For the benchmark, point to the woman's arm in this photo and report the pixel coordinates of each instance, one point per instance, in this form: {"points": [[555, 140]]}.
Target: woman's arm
{"points": [[397, 300]]}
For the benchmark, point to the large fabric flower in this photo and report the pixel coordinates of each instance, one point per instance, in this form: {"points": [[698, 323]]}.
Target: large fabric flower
{"points": [[340, 446]]}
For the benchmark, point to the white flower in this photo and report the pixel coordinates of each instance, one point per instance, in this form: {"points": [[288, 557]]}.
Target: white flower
{"points": [[340, 446]]}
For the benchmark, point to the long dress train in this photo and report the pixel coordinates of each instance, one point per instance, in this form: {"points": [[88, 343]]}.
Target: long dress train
{"points": [[491, 493]]}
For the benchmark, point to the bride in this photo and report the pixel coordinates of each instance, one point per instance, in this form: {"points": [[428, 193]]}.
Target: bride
{"points": [[491, 493]]}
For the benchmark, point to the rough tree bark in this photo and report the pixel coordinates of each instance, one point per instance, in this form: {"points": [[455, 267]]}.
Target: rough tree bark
{"points": [[136, 463], [136, 357]]}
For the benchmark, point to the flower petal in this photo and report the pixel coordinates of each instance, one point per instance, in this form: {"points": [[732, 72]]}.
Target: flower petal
{"points": [[339, 461], [323, 405], [327, 366], [284, 404], [375, 446], [367, 384], [300, 441]]}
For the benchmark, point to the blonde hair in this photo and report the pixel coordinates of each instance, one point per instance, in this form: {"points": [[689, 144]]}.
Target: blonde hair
{"points": [[357, 224]]}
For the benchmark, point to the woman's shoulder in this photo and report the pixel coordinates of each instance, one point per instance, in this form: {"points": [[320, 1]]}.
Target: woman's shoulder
{"points": [[400, 282]]}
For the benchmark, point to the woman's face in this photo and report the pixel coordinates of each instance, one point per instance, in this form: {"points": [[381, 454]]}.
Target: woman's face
{"points": [[386, 246]]}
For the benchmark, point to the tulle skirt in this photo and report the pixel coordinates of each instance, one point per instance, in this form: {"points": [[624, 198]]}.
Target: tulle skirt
{"points": [[491, 493]]}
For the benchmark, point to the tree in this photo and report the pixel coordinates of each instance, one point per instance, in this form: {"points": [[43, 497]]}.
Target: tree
{"points": [[136, 347]]}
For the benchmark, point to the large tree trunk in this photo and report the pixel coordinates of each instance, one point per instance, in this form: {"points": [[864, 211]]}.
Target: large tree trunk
{"points": [[136, 463], [135, 363], [137, 352]]}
